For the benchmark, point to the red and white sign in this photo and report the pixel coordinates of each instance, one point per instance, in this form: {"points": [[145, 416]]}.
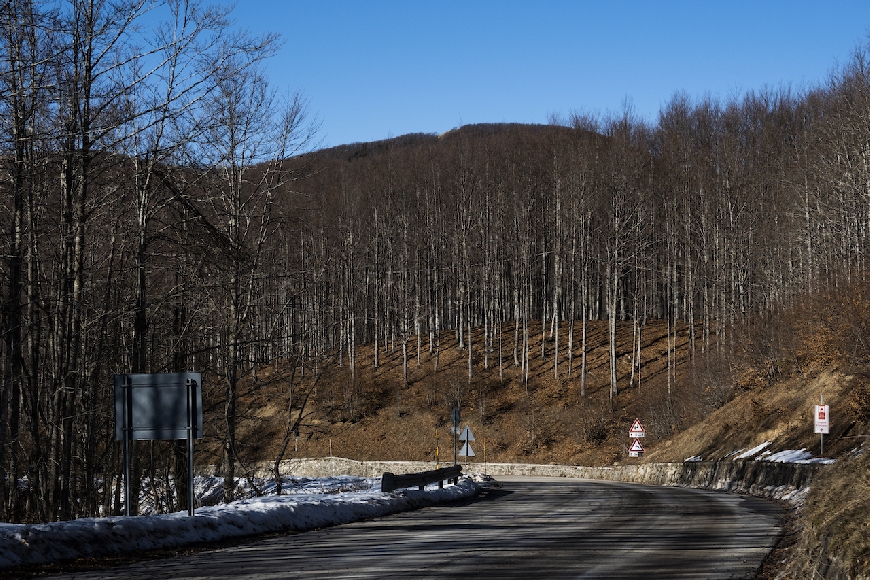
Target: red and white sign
{"points": [[822, 419], [636, 449], [636, 430]]}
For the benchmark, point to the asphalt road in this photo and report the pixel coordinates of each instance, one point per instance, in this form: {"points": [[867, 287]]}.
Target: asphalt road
{"points": [[524, 528]]}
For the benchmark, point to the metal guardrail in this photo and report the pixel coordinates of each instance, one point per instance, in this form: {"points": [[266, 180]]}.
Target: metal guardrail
{"points": [[391, 482]]}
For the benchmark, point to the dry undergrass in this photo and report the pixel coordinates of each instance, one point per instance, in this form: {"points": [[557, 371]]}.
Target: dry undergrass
{"points": [[376, 416], [547, 420]]}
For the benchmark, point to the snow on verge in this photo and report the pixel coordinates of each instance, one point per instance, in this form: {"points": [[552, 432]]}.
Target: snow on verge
{"points": [[753, 452], [796, 456], [761, 453], [24, 544]]}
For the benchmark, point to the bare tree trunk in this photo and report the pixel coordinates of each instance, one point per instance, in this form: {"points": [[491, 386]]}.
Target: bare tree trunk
{"points": [[470, 352]]}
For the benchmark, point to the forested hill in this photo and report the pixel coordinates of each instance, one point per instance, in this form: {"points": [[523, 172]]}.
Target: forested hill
{"points": [[352, 151], [719, 211]]}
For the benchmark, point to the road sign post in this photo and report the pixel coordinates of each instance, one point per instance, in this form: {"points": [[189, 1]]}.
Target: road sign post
{"points": [[454, 417], [467, 437], [822, 422], [158, 406], [636, 432]]}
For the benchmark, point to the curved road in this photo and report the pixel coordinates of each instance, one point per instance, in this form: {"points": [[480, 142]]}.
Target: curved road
{"points": [[520, 528]]}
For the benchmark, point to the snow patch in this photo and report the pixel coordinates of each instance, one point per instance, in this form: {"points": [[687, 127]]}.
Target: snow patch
{"points": [[311, 503], [752, 452], [796, 456]]}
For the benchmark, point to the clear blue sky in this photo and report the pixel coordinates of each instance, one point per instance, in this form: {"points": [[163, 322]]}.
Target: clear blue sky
{"points": [[377, 69]]}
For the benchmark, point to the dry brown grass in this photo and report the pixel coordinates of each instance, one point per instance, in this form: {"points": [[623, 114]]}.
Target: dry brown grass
{"points": [[713, 408], [835, 527], [376, 416]]}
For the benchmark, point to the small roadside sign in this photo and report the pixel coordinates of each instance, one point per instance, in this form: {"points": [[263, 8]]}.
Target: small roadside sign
{"points": [[636, 449], [466, 437], [637, 431], [454, 428], [466, 450], [822, 419]]}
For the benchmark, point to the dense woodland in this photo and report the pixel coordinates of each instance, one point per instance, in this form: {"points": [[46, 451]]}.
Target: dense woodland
{"points": [[161, 209]]}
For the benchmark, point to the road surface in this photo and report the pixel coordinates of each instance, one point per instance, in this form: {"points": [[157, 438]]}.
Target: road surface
{"points": [[527, 528]]}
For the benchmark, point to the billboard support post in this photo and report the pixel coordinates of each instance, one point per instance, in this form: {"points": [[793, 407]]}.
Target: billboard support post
{"points": [[128, 421], [191, 435]]}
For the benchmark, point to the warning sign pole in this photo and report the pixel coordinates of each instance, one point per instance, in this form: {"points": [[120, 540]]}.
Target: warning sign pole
{"points": [[636, 432], [822, 421], [436, 448], [822, 433]]}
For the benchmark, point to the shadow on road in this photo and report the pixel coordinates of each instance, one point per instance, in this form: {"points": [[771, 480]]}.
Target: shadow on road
{"points": [[489, 492]]}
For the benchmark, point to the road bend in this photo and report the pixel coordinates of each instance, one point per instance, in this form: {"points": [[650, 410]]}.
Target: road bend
{"points": [[531, 528]]}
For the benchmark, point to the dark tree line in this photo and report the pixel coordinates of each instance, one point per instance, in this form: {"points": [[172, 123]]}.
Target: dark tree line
{"points": [[718, 212], [156, 215], [141, 154]]}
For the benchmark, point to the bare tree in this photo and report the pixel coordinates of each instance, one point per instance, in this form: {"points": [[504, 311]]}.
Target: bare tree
{"points": [[247, 143]]}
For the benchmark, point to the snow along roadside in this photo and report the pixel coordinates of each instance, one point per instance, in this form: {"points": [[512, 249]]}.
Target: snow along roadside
{"points": [[29, 544]]}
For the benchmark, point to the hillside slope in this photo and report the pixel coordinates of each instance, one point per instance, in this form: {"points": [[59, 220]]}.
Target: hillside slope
{"points": [[712, 410], [375, 415]]}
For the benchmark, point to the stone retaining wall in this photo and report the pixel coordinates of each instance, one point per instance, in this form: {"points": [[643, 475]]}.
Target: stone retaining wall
{"points": [[758, 478]]}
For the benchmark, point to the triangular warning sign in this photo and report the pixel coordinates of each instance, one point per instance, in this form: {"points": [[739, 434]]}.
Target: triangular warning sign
{"points": [[466, 451], [636, 447], [636, 430], [466, 435]]}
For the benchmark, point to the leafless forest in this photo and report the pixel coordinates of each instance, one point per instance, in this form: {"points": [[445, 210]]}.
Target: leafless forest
{"points": [[161, 210]]}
